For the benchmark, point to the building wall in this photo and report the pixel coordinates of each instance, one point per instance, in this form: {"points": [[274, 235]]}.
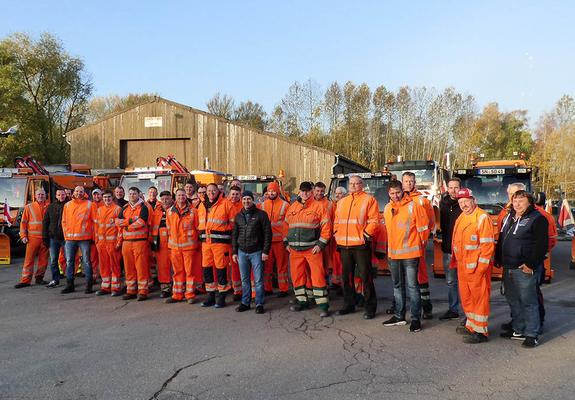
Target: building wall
{"points": [[192, 136]]}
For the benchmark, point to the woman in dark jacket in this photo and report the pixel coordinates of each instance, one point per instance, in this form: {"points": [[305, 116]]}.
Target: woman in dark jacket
{"points": [[52, 234], [521, 249]]}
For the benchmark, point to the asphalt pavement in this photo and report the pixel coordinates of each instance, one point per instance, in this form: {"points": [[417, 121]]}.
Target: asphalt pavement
{"points": [[79, 346]]}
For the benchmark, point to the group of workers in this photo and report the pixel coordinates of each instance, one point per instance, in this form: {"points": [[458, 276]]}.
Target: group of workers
{"points": [[200, 240]]}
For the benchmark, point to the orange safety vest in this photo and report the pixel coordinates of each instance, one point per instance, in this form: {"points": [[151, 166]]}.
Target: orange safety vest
{"points": [[106, 228], [407, 228], [182, 225], [423, 201], [216, 224], [356, 218], [31, 223], [276, 211], [134, 221], [236, 208], [78, 220], [473, 241]]}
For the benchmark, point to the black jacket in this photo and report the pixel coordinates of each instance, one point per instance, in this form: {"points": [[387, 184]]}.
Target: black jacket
{"points": [[252, 231], [449, 211], [524, 240], [52, 222]]}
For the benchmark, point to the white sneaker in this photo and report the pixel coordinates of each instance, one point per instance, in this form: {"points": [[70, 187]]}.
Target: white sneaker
{"points": [[53, 284]]}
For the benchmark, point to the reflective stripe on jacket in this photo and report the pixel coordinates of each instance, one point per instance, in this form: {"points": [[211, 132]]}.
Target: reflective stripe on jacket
{"points": [[31, 223], [473, 241], [276, 210], [356, 218], [215, 224], [407, 228], [307, 225], [106, 228], [134, 221], [78, 220], [182, 226]]}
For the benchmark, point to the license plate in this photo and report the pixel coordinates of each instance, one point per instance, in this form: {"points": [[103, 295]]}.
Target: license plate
{"points": [[4, 174], [491, 171]]}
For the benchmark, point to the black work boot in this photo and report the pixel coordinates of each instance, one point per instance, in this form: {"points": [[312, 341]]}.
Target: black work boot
{"points": [[69, 287], [220, 300], [89, 287], [210, 301]]}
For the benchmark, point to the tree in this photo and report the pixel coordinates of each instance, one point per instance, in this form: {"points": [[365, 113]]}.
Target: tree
{"points": [[100, 107], [45, 91], [222, 106], [251, 114]]}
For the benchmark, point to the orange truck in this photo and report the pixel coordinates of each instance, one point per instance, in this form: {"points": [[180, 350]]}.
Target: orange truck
{"points": [[17, 188], [256, 184], [488, 180]]}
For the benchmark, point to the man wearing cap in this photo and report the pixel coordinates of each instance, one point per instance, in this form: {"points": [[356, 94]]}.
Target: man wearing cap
{"points": [[473, 249], [308, 233], [251, 243], [276, 209]]}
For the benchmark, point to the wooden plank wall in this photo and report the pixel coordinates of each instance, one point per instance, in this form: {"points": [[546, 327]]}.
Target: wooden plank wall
{"points": [[229, 147]]}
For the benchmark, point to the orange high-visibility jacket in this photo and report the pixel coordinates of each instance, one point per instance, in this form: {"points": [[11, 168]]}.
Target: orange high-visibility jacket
{"points": [[157, 214], [31, 223], [106, 228], [356, 219], [407, 228], [236, 207], [78, 220], [473, 241], [381, 238], [216, 224], [307, 225], [276, 210], [423, 201], [329, 207], [134, 221], [182, 224]]}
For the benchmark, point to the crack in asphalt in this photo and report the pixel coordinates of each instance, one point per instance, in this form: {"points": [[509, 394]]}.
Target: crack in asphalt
{"points": [[121, 306], [176, 373]]}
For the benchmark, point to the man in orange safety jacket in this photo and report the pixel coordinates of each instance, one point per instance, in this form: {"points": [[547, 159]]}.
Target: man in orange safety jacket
{"points": [[407, 228], [215, 225], [78, 226], [160, 246], [235, 197], [473, 250], [134, 221], [409, 183], [355, 229], [308, 233], [183, 241], [276, 209], [108, 244], [31, 236]]}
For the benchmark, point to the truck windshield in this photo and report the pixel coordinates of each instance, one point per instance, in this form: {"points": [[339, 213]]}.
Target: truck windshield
{"points": [[376, 186], [13, 191], [161, 182], [491, 190], [423, 177]]}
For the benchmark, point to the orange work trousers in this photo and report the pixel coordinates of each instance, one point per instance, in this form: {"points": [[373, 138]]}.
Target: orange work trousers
{"points": [[278, 256], [185, 277], [474, 292], [337, 270], [215, 262], [235, 277], [34, 248], [110, 271], [163, 258], [136, 256], [198, 271], [303, 263]]}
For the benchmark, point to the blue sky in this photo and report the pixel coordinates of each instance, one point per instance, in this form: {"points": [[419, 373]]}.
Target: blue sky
{"points": [[519, 54]]}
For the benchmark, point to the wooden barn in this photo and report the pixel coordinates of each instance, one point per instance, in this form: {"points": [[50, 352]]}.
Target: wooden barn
{"points": [[135, 137]]}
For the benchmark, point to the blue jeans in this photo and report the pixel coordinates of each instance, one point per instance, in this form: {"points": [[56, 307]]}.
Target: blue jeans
{"points": [[451, 279], [245, 260], [71, 248], [521, 294], [400, 270], [55, 246]]}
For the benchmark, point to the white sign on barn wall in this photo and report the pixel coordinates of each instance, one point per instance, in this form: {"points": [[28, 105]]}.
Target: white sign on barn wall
{"points": [[153, 122]]}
